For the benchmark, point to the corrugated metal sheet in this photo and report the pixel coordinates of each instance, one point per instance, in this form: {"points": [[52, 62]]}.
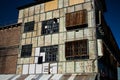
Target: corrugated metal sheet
{"points": [[89, 76]]}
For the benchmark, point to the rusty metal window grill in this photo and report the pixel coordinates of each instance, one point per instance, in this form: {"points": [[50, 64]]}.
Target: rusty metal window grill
{"points": [[26, 50], [50, 53], [76, 19], [76, 50], [29, 26], [50, 26]]}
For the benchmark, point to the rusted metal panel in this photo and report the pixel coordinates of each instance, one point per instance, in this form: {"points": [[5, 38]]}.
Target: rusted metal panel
{"points": [[49, 5], [41, 41]]}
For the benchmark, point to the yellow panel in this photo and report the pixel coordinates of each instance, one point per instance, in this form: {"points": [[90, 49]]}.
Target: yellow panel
{"points": [[51, 5], [72, 2]]}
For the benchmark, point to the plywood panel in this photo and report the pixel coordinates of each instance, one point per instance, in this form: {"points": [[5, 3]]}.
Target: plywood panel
{"points": [[70, 67], [19, 69], [38, 68], [49, 15], [32, 69], [56, 14], [25, 69], [54, 39], [37, 9], [21, 13], [31, 11], [49, 5], [73, 2]]}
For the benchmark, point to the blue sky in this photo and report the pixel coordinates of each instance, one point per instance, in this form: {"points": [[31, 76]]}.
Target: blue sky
{"points": [[8, 13]]}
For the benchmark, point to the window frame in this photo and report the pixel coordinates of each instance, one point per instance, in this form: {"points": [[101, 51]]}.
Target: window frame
{"points": [[48, 26], [26, 51], [29, 26], [73, 53]]}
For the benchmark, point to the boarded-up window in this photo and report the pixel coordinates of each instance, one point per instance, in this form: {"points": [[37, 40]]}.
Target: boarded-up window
{"points": [[26, 50], [76, 19], [76, 50], [29, 26]]}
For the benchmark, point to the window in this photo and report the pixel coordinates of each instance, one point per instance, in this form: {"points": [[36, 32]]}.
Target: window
{"points": [[26, 50], [29, 26], [76, 50], [50, 26], [76, 19], [50, 53]]}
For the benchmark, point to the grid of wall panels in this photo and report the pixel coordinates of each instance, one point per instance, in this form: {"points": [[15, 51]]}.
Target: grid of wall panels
{"points": [[42, 12]]}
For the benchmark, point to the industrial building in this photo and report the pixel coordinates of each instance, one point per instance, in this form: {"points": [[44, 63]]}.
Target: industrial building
{"points": [[60, 40]]}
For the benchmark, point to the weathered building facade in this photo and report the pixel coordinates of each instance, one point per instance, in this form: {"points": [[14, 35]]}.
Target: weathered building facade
{"points": [[66, 37]]}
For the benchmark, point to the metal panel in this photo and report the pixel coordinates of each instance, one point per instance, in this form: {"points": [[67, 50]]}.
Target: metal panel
{"points": [[62, 24], [42, 8], [28, 41], [20, 14], [32, 69], [70, 9], [66, 3], [43, 55], [49, 5], [38, 68], [49, 15], [42, 17], [100, 47], [70, 35], [36, 60], [56, 14], [30, 18], [60, 3], [31, 61], [79, 34], [53, 68], [61, 53], [54, 39], [41, 41], [61, 38], [26, 12], [78, 7], [37, 9], [47, 40], [29, 35], [23, 42], [31, 11], [37, 51], [36, 18], [25, 60], [79, 67], [45, 67], [61, 67], [62, 12], [70, 67], [34, 42], [25, 69]]}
